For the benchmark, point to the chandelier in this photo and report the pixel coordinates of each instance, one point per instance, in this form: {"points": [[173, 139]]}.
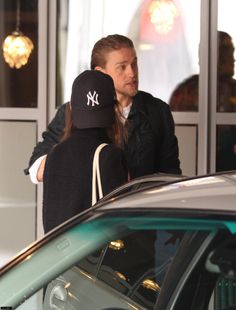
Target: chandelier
{"points": [[162, 15], [17, 47]]}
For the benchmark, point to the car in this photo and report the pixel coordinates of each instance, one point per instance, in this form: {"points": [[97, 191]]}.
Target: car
{"points": [[159, 242]]}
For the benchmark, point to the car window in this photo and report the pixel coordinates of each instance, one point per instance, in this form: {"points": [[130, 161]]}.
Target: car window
{"points": [[135, 265]]}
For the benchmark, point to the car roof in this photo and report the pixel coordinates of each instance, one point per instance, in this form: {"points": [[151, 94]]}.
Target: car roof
{"points": [[145, 181], [209, 192]]}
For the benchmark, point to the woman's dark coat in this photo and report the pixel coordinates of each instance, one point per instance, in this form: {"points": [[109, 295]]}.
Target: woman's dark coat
{"points": [[68, 175]]}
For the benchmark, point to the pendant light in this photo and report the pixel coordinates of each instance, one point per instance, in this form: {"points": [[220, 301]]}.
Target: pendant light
{"points": [[162, 15], [17, 47]]}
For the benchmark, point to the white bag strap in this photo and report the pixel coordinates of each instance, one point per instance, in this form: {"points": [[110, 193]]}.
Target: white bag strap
{"points": [[96, 175]]}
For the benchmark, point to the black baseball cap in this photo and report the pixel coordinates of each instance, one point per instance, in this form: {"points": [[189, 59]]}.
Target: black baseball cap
{"points": [[92, 100]]}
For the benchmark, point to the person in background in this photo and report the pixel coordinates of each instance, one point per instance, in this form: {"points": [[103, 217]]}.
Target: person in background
{"points": [[185, 98], [151, 146], [185, 95], [90, 121]]}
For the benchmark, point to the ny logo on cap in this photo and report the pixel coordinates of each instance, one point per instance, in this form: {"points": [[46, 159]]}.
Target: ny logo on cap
{"points": [[92, 99]]}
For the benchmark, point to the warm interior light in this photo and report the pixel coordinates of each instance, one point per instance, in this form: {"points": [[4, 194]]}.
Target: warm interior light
{"points": [[121, 275], [17, 49], [162, 15], [116, 245], [151, 285]]}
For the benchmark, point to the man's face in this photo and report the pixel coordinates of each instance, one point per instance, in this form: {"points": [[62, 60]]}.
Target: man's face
{"points": [[122, 66]]}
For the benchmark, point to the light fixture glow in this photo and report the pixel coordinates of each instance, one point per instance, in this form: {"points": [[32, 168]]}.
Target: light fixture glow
{"points": [[151, 285], [121, 275], [17, 47], [116, 245], [162, 15]]}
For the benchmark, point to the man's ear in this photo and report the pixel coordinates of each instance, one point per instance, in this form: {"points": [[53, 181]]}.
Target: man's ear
{"points": [[100, 69]]}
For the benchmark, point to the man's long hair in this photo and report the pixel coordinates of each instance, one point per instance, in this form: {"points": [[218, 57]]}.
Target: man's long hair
{"points": [[106, 45]]}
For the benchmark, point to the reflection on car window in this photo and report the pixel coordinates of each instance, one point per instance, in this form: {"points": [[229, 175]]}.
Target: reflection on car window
{"points": [[136, 265]]}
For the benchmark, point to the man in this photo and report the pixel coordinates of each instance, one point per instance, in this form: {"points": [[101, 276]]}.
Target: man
{"points": [[152, 146]]}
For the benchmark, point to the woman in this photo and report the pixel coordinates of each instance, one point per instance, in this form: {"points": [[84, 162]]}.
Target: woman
{"points": [[91, 121]]}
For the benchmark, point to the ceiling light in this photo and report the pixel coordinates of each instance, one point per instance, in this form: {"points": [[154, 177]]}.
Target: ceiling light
{"points": [[17, 47], [162, 15]]}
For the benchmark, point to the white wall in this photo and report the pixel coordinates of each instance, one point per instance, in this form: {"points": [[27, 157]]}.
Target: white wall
{"points": [[17, 193]]}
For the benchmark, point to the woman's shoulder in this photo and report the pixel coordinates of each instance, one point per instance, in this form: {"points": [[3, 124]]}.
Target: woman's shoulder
{"points": [[61, 150]]}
